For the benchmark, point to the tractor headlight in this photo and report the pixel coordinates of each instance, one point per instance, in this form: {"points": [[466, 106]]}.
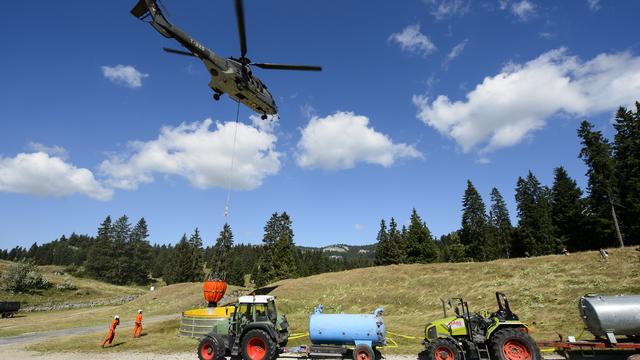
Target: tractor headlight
{"points": [[431, 332]]}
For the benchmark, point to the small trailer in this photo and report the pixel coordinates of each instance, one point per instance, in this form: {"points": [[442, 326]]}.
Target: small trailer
{"points": [[608, 318], [9, 308], [333, 335]]}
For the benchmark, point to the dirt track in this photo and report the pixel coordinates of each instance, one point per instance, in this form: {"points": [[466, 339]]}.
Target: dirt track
{"points": [[44, 335], [18, 353]]}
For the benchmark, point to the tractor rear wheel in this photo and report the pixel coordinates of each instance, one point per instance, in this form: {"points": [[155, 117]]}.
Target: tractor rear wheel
{"points": [[363, 352], [211, 347], [514, 344], [258, 345], [442, 349]]}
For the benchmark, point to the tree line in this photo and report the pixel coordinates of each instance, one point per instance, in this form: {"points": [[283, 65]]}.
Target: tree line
{"points": [[550, 219], [121, 254]]}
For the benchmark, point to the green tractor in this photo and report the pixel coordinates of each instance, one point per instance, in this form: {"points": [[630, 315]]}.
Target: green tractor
{"points": [[254, 331], [471, 336]]}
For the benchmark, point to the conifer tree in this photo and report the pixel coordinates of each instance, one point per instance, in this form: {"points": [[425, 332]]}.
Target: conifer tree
{"points": [[99, 257], [180, 267], [222, 251], [394, 251], [382, 243], [278, 258], [121, 271], [626, 148], [501, 223], [567, 209], [535, 233], [473, 234], [596, 153], [420, 245], [284, 253], [452, 249], [141, 249], [195, 245]]}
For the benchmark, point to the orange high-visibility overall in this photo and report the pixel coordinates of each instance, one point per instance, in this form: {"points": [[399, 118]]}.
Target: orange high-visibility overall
{"points": [[112, 333], [137, 326]]}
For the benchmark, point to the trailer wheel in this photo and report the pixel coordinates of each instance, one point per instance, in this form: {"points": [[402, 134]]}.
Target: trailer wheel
{"points": [[211, 348], [363, 352], [514, 344], [442, 349], [258, 345]]}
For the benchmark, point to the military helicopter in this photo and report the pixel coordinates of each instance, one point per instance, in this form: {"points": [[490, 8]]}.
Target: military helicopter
{"points": [[232, 76]]}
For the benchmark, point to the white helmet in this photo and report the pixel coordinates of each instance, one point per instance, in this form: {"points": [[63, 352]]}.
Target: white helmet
{"points": [[116, 317], [139, 311]]}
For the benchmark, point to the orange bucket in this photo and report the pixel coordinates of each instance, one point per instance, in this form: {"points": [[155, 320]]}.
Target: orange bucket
{"points": [[214, 290]]}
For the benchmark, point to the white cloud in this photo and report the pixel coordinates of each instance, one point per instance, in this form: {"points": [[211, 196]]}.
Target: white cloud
{"points": [[524, 9], [594, 5], [359, 227], [455, 52], [200, 155], [126, 75], [54, 150], [505, 108], [546, 35], [442, 9], [40, 174], [412, 40], [341, 140], [265, 125]]}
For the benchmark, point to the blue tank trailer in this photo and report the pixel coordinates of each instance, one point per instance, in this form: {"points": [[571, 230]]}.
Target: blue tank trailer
{"points": [[341, 335]]}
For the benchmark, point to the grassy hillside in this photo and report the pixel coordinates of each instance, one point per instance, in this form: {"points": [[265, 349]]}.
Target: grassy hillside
{"points": [[88, 290], [543, 292], [172, 299]]}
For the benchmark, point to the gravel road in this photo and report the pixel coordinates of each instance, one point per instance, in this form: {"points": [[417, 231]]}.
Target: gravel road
{"points": [[16, 352]]}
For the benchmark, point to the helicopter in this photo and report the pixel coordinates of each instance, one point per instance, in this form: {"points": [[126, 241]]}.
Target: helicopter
{"points": [[232, 76]]}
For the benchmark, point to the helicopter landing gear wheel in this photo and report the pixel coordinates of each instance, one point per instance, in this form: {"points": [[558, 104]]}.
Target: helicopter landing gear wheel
{"points": [[216, 97], [264, 117]]}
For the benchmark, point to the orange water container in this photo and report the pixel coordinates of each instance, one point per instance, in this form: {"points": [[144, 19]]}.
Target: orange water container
{"points": [[214, 290]]}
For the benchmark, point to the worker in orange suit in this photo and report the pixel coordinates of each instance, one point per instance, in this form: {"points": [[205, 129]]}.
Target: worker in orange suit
{"points": [[137, 326], [112, 331]]}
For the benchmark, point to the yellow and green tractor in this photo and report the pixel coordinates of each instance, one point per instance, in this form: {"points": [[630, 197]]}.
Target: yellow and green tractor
{"points": [[473, 336]]}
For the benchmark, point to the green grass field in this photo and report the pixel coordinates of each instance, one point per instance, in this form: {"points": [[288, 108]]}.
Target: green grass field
{"points": [[172, 299], [543, 291], [87, 289]]}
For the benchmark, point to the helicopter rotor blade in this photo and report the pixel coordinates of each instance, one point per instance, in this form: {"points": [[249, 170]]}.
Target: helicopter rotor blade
{"points": [[179, 52], [288, 67], [241, 28]]}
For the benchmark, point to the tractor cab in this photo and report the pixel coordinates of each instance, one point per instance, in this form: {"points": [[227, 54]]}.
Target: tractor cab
{"points": [[258, 308]]}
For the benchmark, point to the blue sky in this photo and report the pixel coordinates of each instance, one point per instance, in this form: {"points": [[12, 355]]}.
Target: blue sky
{"points": [[415, 98]]}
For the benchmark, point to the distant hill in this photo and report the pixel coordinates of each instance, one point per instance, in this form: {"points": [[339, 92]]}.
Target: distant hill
{"points": [[344, 251]]}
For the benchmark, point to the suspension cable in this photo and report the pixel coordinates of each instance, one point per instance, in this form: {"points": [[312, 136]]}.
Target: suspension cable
{"points": [[229, 175]]}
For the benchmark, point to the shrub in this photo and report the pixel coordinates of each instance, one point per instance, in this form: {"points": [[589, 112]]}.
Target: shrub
{"points": [[66, 285], [23, 277]]}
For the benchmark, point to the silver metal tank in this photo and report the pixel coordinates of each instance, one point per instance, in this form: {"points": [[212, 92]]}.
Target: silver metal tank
{"points": [[611, 315]]}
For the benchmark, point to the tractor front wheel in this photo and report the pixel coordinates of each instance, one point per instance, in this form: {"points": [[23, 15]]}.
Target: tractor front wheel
{"points": [[258, 345], [442, 349], [514, 344], [211, 348]]}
